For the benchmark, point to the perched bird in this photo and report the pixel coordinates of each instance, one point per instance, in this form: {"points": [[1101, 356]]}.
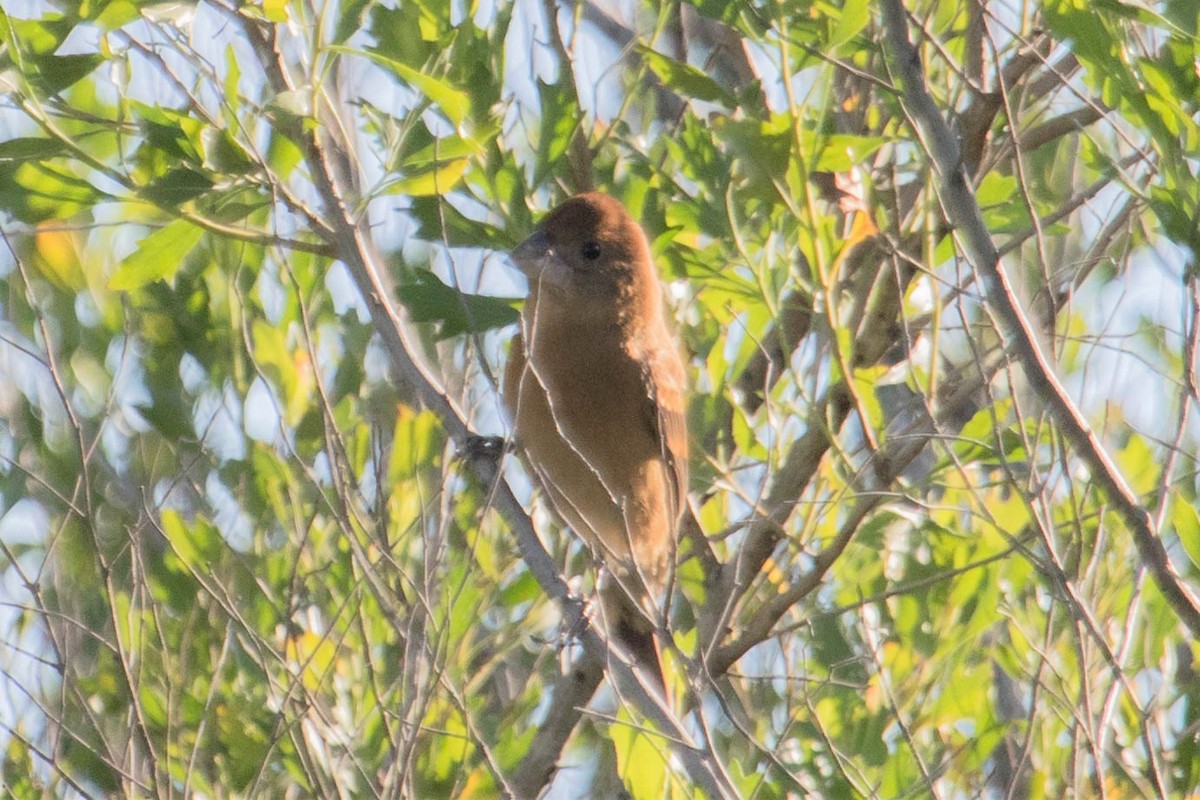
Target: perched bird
{"points": [[595, 387]]}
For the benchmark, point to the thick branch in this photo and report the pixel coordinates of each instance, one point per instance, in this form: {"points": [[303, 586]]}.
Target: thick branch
{"points": [[959, 204], [1060, 126], [572, 692]]}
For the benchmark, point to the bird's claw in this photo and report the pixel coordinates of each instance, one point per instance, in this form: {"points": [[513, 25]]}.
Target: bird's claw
{"points": [[490, 448], [577, 621]]}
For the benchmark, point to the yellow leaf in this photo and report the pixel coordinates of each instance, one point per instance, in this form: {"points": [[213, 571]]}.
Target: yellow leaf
{"points": [[312, 655], [275, 10], [57, 256], [302, 385], [436, 180], [862, 227], [641, 760]]}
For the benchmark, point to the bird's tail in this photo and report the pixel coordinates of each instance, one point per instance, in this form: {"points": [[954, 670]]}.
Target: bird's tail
{"points": [[630, 625]]}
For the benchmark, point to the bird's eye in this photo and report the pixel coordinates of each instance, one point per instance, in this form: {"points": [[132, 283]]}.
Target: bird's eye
{"points": [[590, 251]]}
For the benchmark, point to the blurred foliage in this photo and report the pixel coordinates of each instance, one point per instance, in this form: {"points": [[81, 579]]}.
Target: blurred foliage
{"points": [[240, 558]]}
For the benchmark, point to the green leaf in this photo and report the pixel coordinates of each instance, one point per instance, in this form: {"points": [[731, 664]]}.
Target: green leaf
{"points": [[454, 103], [244, 742], [34, 191], [414, 444], [762, 148], [117, 14], [351, 19], [177, 187], [224, 154], [522, 590], [17, 771], [854, 17], [439, 221], [864, 385], [283, 155], [231, 100], [560, 117], [996, 189], [685, 80], [30, 148], [35, 37], [1187, 528], [52, 74], [158, 256], [173, 132], [153, 708], [429, 300], [841, 152], [446, 148], [1177, 213], [1081, 25], [977, 436], [438, 179], [1139, 463], [398, 32]]}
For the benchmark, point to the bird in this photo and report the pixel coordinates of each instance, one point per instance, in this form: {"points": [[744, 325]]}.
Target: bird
{"points": [[595, 386]]}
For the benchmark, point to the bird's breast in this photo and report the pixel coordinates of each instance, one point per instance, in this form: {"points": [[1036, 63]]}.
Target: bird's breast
{"points": [[580, 399], [592, 383]]}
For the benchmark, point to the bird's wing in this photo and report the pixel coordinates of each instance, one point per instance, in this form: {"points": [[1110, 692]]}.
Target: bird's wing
{"points": [[666, 414]]}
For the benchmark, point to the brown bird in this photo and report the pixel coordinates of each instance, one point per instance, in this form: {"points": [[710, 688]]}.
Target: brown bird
{"points": [[595, 387]]}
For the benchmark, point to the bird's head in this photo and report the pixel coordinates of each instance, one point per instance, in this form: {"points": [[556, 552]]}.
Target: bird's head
{"points": [[588, 248]]}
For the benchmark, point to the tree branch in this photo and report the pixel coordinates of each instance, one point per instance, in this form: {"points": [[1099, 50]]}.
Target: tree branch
{"points": [[962, 210], [889, 462]]}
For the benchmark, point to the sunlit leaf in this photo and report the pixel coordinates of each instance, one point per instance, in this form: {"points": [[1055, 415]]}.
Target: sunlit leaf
{"points": [[427, 181], [117, 13], [57, 256], [414, 444], [275, 10], [311, 656], [641, 761], [1187, 528], [36, 190], [37, 37], [854, 16], [864, 385], [157, 257]]}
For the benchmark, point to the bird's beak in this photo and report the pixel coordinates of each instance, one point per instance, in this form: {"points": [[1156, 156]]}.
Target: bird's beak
{"points": [[531, 255]]}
